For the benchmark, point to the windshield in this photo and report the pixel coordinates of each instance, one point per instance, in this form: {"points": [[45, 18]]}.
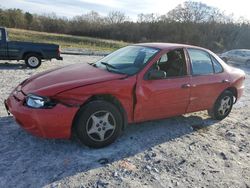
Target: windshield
{"points": [[128, 60]]}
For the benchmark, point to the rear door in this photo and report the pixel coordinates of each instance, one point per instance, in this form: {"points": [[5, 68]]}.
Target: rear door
{"points": [[161, 98], [207, 82]]}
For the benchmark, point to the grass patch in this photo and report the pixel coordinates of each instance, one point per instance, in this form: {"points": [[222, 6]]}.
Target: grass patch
{"points": [[65, 41]]}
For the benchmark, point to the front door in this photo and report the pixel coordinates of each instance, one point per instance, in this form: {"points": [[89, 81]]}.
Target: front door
{"points": [[165, 97]]}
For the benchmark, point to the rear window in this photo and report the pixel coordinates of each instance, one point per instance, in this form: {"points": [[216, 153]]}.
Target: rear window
{"points": [[217, 66], [201, 62], [246, 53], [233, 52]]}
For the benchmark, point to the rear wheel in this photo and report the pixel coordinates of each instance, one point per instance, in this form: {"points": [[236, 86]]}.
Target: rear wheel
{"points": [[33, 60], [222, 106], [98, 124]]}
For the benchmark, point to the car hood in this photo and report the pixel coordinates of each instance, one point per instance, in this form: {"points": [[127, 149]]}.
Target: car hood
{"points": [[52, 82]]}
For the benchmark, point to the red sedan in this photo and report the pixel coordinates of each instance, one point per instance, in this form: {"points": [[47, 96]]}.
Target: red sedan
{"points": [[133, 84]]}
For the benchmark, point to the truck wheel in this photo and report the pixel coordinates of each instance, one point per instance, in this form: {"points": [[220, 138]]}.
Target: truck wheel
{"points": [[98, 124], [222, 106], [33, 60]]}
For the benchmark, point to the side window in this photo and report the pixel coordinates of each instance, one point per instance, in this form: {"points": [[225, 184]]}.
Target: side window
{"points": [[172, 63], [233, 52], [243, 53], [200, 62], [217, 66], [0, 35], [239, 53], [247, 53]]}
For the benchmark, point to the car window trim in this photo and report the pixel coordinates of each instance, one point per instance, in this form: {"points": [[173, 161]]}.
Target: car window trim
{"points": [[169, 78], [145, 77], [191, 68], [218, 63], [218, 59]]}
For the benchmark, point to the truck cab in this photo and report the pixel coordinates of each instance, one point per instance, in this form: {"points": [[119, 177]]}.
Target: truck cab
{"points": [[31, 53], [3, 43]]}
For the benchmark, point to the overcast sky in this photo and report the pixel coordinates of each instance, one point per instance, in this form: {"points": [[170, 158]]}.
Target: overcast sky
{"points": [[70, 8]]}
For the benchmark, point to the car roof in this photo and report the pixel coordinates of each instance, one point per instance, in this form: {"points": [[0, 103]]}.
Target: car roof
{"points": [[240, 50], [166, 46]]}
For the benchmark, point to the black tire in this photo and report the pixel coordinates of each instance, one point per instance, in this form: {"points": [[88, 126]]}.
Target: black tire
{"points": [[33, 60], [219, 110], [98, 110]]}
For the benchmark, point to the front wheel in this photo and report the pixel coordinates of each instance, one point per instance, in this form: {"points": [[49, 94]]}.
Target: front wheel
{"points": [[98, 124], [33, 60], [222, 106]]}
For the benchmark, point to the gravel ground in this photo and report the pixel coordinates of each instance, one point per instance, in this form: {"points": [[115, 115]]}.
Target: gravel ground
{"points": [[185, 151]]}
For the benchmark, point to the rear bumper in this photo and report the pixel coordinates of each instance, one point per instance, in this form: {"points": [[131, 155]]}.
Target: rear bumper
{"points": [[240, 92], [46, 123]]}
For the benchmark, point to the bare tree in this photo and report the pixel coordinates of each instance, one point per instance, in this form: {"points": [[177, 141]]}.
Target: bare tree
{"points": [[116, 17], [197, 12], [191, 22], [147, 18], [91, 17], [29, 18]]}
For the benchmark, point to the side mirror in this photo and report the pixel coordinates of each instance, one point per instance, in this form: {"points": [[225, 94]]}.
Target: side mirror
{"points": [[156, 74]]}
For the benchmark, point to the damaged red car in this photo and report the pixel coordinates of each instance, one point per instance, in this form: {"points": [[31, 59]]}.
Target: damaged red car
{"points": [[136, 83]]}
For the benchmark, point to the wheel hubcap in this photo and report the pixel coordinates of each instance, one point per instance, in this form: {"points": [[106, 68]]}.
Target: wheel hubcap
{"points": [[101, 126], [33, 61], [225, 105]]}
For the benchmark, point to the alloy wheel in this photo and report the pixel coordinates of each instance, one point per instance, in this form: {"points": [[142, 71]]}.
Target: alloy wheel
{"points": [[101, 126], [225, 105]]}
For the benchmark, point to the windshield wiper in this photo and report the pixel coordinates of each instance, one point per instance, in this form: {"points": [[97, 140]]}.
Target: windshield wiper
{"points": [[111, 68], [108, 65], [92, 64]]}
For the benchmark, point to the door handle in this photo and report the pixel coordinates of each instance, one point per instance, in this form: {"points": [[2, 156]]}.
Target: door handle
{"points": [[225, 81], [186, 86]]}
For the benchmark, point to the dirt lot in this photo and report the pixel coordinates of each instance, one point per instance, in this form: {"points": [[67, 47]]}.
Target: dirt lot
{"points": [[186, 151]]}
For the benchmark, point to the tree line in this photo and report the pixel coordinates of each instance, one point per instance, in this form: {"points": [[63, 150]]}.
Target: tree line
{"points": [[190, 23]]}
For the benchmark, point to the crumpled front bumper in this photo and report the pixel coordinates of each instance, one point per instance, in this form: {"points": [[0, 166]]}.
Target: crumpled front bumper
{"points": [[46, 123]]}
